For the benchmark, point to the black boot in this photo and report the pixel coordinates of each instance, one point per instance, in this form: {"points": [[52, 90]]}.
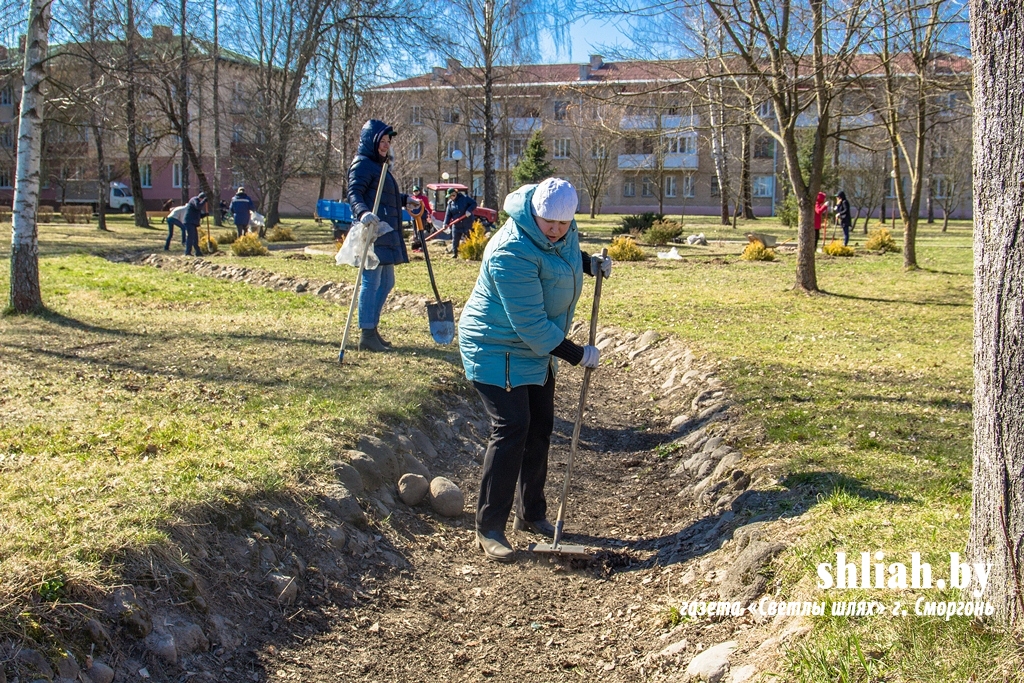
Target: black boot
{"points": [[368, 341], [495, 546], [381, 339]]}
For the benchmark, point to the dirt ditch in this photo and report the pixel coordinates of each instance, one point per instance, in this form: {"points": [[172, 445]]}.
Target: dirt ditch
{"points": [[310, 588]]}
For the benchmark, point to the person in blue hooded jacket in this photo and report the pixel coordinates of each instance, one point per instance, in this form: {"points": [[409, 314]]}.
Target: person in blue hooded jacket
{"points": [[363, 176], [511, 331], [241, 210]]}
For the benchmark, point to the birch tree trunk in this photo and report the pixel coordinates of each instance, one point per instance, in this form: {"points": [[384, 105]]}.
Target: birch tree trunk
{"points": [[997, 512], [131, 116], [215, 201], [25, 295]]}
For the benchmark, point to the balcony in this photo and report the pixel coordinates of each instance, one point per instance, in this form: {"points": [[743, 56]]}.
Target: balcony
{"points": [[671, 161], [671, 122], [638, 123], [523, 124]]}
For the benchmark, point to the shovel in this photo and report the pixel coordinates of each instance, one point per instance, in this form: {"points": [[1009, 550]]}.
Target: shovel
{"points": [[440, 315], [362, 261], [556, 547]]}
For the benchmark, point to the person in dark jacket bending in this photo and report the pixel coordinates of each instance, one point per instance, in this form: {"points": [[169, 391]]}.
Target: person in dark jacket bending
{"points": [[241, 210], [363, 177], [459, 214], [843, 215], [194, 212]]}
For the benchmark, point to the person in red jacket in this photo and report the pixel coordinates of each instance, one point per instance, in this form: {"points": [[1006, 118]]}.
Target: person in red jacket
{"points": [[820, 209]]}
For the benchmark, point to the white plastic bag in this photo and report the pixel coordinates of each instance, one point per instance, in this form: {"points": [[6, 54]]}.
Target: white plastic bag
{"points": [[672, 254], [257, 220], [352, 249]]}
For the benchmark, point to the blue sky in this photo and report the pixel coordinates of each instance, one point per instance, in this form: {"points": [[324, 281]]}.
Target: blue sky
{"points": [[594, 36]]}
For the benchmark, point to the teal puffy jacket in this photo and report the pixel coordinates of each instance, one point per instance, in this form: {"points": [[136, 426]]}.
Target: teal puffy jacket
{"points": [[523, 301]]}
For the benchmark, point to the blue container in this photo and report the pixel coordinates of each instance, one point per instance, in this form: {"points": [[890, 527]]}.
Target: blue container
{"points": [[337, 212]]}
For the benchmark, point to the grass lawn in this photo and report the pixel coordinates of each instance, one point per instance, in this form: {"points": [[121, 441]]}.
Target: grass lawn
{"points": [[864, 393]]}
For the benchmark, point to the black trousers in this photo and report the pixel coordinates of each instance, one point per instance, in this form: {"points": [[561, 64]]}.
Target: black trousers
{"points": [[517, 451]]}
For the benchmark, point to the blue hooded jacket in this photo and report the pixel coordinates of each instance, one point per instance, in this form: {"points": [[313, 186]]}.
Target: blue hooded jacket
{"points": [[241, 208], [523, 302], [363, 176]]}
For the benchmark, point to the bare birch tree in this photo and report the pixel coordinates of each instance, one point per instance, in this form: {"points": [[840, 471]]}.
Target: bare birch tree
{"points": [[25, 293]]}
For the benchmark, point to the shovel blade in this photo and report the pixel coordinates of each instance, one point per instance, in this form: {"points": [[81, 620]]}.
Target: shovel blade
{"points": [[442, 322], [562, 550]]}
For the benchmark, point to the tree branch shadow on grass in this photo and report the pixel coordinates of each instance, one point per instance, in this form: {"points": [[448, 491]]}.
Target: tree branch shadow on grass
{"points": [[897, 301]]}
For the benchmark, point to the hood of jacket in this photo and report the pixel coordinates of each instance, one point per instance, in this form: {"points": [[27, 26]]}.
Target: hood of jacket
{"points": [[370, 137], [517, 206], [841, 195], [821, 197]]}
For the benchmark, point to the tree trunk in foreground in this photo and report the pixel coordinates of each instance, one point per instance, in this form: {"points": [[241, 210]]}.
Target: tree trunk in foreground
{"points": [[25, 294], [997, 511]]}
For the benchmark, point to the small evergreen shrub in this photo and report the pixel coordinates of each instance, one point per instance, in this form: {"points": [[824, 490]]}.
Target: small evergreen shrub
{"points": [[663, 232], [881, 240], [472, 248], [836, 248], [280, 234], [640, 222], [76, 214], [756, 251], [249, 245], [788, 211], [624, 248], [207, 245], [44, 214], [226, 236]]}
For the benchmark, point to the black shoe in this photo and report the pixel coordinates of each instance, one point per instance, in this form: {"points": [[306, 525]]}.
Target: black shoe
{"points": [[368, 341], [541, 526], [381, 339], [495, 546]]}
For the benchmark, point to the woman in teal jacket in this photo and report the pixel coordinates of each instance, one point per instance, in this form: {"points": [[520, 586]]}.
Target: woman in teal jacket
{"points": [[511, 332]]}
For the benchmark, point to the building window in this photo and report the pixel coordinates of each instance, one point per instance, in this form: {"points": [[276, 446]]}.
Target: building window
{"points": [[598, 151], [940, 188], [561, 110], [764, 147], [7, 95], [763, 186], [418, 182], [7, 136], [237, 134], [562, 148], [670, 186], [647, 188], [416, 117], [146, 173], [416, 150], [716, 189], [766, 110], [682, 144], [515, 147], [688, 186], [629, 188], [451, 115], [176, 175], [5, 177], [478, 186], [450, 147], [237, 179]]}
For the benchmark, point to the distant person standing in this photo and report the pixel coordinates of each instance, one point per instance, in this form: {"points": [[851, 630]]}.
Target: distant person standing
{"points": [[175, 218], [820, 209], [194, 212], [843, 216], [459, 215], [241, 209]]}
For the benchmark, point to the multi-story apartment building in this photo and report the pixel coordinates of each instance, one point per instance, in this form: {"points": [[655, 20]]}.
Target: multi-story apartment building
{"points": [[69, 157], [633, 136]]}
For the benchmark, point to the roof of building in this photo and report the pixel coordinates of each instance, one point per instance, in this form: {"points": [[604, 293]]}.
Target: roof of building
{"points": [[636, 71]]}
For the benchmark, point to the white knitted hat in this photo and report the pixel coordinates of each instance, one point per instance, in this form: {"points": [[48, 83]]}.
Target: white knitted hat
{"points": [[555, 200]]}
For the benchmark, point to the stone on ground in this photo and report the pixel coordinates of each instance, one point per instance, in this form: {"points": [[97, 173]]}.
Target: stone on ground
{"points": [[743, 674], [423, 443], [100, 672], [412, 488], [349, 476], [161, 644], [711, 665], [285, 588], [414, 466], [387, 460], [340, 502], [446, 498]]}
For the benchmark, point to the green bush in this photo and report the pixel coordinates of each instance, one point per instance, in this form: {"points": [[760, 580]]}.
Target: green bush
{"points": [[249, 245], [836, 248], [663, 232], [637, 223], [881, 240], [624, 248], [226, 236], [280, 234], [756, 251], [472, 248], [788, 211], [207, 245]]}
